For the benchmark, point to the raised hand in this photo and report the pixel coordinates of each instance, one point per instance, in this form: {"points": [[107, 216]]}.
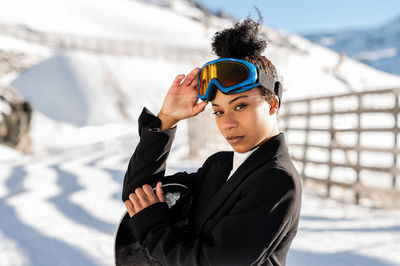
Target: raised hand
{"points": [[181, 101]]}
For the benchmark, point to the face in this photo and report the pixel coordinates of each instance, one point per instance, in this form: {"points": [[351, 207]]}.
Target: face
{"points": [[245, 119]]}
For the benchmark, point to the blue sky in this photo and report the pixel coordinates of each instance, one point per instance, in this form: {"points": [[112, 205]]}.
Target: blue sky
{"points": [[304, 16]]}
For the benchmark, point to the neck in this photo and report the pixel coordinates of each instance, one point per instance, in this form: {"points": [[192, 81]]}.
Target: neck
{"points": [[265, 140], [274, 132]]}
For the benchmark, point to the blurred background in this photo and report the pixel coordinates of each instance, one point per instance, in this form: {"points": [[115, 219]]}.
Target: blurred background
{"points": [[75, 75]]}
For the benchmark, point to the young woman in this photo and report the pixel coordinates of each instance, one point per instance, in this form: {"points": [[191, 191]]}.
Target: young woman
{"points": [[243, 206]]}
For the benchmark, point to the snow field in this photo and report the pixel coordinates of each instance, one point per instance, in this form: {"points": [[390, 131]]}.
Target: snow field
{"points": [[61, 205], [56, 203], [345, 234]]}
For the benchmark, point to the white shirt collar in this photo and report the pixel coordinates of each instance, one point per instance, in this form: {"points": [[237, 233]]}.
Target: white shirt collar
{"points": [[238, 159]]}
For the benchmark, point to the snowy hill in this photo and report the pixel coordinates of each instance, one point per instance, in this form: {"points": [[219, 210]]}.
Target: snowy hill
{"points": [[377, 47], [87, 100], [129, 80]]}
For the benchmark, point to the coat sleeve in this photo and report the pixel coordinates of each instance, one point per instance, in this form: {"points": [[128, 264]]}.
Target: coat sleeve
{"points": [[256, 224], [148, 163]]}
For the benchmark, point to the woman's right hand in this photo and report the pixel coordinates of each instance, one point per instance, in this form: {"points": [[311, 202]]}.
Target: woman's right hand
{"points": [[181, 100]]}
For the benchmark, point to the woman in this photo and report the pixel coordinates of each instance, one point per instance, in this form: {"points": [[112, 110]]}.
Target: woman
{"points": [[245, 205]]}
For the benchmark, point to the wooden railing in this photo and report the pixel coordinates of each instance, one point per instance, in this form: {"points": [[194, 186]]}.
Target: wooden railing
{"points": [[106, 46], [347, 142]]}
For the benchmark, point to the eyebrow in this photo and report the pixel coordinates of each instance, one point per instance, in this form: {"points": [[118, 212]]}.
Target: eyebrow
{"points": [[231, 101]]}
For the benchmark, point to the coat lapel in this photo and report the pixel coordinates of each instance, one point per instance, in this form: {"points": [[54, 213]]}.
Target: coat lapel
{"points": [[273, 147], [214, 180]]}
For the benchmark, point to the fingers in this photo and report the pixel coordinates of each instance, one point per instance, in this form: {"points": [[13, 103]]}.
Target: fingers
{"points": [[135, 201], [129, 207], [191, 78], [159, 192], [142, 198], [194, 82], [151, 197], [177, 81], [198, 108]]}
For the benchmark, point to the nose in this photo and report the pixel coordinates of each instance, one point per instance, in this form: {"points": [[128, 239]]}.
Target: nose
{"points": [[229, 121]]}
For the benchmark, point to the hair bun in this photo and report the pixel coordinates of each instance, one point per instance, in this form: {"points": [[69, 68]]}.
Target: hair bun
{"points": [[240, 41]]}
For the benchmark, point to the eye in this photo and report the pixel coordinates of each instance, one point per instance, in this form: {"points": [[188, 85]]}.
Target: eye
{"points": [[217, 113], [240, 106]]}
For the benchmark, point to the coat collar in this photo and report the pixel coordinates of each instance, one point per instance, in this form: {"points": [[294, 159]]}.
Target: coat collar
{"points": [[275, 146]]}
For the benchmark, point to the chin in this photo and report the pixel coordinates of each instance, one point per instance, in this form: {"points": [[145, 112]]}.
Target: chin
{"points": [[241, 149]]}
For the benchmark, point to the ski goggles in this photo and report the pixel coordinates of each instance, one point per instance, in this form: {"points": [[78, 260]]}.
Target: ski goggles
{"points": [[231, 76]]}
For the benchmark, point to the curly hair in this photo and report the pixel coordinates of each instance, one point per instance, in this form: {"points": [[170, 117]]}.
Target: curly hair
{"points": [[242, 42]]}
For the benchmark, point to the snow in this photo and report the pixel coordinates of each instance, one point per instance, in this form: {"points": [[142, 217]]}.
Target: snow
{"points": [[60, 205], [4, 109], [95, 87], [322, 72], [66, 202], [376, 46], [376, 55], [340, 234], [11, 43], [121, 19]]}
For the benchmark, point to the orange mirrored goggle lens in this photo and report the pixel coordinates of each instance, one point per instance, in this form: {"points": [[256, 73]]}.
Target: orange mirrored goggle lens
{"points": [[227, 74]]}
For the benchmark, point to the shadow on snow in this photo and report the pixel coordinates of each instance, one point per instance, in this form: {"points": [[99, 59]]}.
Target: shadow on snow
{"points": [[69, 185], [38, 248], [348, 258]]}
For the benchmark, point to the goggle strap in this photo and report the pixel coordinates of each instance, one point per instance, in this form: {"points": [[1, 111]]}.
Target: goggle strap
{"points": [[278, 91], [270, 84], [266, 81]]}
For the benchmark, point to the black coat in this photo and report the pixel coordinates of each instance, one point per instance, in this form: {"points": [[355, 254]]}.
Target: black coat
{"points": [[250, 219]]}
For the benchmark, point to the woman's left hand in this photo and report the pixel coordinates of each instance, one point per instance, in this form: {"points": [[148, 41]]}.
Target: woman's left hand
{"points": [[143, 198]]}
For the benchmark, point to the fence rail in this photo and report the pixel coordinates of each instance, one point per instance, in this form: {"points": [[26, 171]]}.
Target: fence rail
{"points": [[316, 143], [105, 46]]}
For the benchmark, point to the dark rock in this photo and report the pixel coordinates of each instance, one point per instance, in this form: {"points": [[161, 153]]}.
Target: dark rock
{"points": [[15, 120]]}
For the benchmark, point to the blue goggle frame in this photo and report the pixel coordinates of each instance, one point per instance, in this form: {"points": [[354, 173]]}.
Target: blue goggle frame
{"points": [[245, 85], [254, 79]]}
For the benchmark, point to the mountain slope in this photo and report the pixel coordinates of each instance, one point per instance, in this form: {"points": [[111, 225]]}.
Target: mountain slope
{"points": [[108, 87], [377, 47]]}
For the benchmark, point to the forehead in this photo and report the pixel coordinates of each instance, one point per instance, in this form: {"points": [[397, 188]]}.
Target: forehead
{"points": [[221, 98]]}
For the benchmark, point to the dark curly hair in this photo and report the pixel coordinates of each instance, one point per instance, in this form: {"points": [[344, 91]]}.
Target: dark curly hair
{"points": [[242, 42]]}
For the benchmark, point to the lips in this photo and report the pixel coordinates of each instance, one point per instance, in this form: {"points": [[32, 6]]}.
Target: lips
{"points": [[234, 139]]}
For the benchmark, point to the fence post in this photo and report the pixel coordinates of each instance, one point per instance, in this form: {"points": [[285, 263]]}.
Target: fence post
{"points": [[396, 133], [307, 129], [332, 133], [358, 132]]}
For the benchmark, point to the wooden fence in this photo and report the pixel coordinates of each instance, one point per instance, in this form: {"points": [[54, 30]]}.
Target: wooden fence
{"points": [[106, 46], [347, 143]]}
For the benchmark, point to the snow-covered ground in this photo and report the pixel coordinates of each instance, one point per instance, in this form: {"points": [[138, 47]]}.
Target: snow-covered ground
{"points": [[60, 206], [332, 233]]}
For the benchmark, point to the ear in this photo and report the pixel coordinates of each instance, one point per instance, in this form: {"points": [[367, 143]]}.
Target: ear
{"points": [[274, 105]]}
